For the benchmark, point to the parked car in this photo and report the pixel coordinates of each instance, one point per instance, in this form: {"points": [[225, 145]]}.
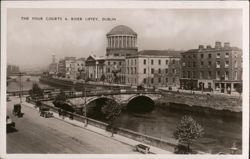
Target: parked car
{"points": [[142, 148], [9, 123], [17, 110], [44, 112]]}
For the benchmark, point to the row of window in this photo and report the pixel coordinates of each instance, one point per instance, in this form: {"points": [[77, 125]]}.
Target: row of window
{"points": [[219, 76], [159, 71], [152, 80], [218, 55], [159, 62], [114, 63], [218, 64]]}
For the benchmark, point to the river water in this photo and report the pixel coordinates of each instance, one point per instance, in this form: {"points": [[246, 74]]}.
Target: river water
{"points": [[220, 132]]}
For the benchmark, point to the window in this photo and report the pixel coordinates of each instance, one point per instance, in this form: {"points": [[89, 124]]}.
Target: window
{"points": [[144, 61], [173, 80], [183, 74], [218, 55], [226, 75], [202, 63], [114, 63], [227, 64], [194, 74], [218, 75], [152, 62], [120, 63], [227, 55], [166, 62], [173, 70], [209, 74], [235, 64], [144, 80], [217, 64], [166, 70], [135, 70], [159, 80], [183, 56], [173, 61], [108, 70], [152, 71], [194, 56], [235, 75], [209, 63], [152, 80], [202, 56], [201, 75], [210, 56], [159, 62], [144, 71], [166, 80], [159, 70], [135, 61], [194, 64], [189, 64], [189, 75]]}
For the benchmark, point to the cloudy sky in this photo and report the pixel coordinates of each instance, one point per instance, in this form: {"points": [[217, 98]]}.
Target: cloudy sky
{"points": [[31, 43]]}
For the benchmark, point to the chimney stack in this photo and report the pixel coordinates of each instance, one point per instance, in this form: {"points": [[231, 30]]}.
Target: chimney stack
{"points": [[201, 47], [226, 45], [217, 45], [209, 47]]}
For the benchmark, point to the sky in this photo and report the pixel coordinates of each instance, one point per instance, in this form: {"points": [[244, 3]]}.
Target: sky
{"points": [[31, 43]]}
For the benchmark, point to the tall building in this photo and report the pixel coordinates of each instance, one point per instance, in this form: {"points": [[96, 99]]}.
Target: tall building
{"points": [[53, 66], [218, 68], [122, 42], [12, 69], [153, 68], [67, 67]]}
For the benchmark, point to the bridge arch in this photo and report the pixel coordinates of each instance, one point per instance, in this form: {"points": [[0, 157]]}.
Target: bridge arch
{"points": [[95, 104], [140, 103]]}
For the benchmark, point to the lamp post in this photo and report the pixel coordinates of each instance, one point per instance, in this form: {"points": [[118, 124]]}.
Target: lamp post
{"points": [[20, 95], [85, 101]]}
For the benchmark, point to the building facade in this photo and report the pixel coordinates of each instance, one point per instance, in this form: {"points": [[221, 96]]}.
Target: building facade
{"points": [[12, 69], [218, 68], [80, 68], [95, 68], [67, 68], [153, 68], [53, 66]]}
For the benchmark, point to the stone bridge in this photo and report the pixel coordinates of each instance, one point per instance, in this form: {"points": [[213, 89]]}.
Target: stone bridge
{"points": [[144, 101]]}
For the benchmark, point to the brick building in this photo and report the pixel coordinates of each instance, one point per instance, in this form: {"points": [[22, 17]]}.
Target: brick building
{"points": [[150, 68], [218, 68]]}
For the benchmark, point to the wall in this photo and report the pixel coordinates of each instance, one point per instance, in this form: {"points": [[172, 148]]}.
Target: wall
{"points": [[214, 101]]}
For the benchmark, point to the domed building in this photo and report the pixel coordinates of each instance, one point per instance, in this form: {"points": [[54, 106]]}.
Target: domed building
{"points": [[122, 41]]}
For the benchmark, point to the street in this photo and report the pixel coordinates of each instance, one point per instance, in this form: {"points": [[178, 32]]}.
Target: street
{"points": [[36, 134]]}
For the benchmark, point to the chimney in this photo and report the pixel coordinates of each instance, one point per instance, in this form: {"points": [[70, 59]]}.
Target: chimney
{"points": [[201, 47], [217, 45], [209, 47], [226, 45]]}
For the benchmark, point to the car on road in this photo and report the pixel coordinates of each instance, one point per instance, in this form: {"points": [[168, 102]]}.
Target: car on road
{"points": [[9, 123], [44, 112], [17, 110], [142, 148]]}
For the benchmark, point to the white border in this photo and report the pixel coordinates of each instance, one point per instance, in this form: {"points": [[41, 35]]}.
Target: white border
{"points": [[244, 5]]}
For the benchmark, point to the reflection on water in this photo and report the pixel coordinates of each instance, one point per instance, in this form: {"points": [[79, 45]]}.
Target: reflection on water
{"points": [[220, 132]]}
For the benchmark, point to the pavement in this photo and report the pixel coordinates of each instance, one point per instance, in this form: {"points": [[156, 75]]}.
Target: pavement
{"points": [[107, 135]]}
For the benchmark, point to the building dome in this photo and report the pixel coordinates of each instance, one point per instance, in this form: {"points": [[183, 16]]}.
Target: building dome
{"points": [[121, 29]]}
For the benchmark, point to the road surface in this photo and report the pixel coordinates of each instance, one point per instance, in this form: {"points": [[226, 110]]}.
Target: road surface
{"points": [[36, 134]]}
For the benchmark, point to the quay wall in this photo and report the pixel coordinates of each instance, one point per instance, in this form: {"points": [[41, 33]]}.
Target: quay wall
{"points": [[168, 144], [211, 101]]}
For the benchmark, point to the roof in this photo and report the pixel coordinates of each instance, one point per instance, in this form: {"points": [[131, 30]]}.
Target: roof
{"points": [[121, 29], [160, 53], [212, 50]]}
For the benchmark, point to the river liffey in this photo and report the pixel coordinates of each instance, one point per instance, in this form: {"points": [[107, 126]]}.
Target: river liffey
{"points": [[220, 131]]}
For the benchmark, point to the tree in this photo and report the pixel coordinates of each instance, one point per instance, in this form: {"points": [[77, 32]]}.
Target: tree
{"points": [[188, 130], [60, 99], [239, 88], [36, 91], [111, 111]]}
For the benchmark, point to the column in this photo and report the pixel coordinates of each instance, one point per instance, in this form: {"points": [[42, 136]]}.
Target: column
{"points": [[122, 42], [125, 41]]}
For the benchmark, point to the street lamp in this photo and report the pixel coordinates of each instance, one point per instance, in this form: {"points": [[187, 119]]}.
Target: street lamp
{"points": [[20, 95], [85, 101]]}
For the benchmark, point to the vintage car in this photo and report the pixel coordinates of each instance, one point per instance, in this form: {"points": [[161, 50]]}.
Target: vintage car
{"points": [[44, 112], [17, 110], [9, 123], [142, 148]]}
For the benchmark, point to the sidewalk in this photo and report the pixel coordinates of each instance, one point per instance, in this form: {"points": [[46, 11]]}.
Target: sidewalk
{"points": [[117, 137]]}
